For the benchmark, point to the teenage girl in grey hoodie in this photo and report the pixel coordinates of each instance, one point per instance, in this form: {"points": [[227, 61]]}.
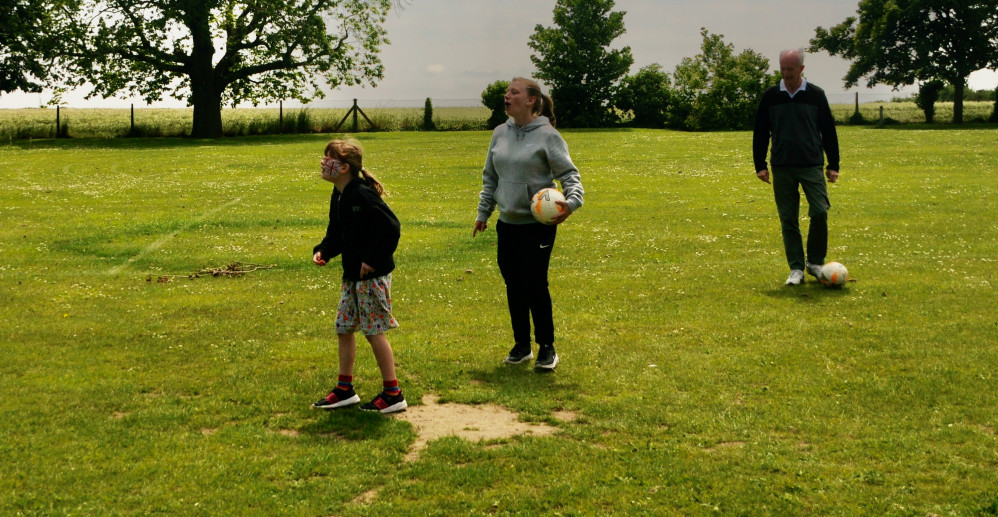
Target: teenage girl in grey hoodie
{"points": [[526, 155]]}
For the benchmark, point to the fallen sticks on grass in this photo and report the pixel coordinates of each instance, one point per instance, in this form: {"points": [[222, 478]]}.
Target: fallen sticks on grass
{"points": [[233, 269]]}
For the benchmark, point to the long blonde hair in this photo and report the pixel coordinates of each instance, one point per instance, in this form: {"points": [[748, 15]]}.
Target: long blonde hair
{"points": [[350, 153], [544, 105]]}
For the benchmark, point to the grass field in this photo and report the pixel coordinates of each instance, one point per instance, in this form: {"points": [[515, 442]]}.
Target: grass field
{"points": [[701, 384]]}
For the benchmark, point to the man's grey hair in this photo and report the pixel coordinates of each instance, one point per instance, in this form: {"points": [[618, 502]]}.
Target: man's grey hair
{"points": [[799, 51]]}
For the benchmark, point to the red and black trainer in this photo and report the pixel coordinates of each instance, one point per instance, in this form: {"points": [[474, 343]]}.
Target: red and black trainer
{"points": [[336, 399], [386, 403]]}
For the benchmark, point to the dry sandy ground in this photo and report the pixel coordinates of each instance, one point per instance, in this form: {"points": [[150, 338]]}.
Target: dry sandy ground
{"points": [[474, 423], [432, 420]]}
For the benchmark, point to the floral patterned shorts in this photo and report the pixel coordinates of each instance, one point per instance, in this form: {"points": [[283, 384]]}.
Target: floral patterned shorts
{"points": [[366, 306]]}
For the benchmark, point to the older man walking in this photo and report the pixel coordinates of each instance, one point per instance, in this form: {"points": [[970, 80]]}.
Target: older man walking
{"points": [[796, 116]]}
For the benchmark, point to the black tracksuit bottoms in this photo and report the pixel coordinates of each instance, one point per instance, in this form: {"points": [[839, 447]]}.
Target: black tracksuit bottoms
{"points": [[524, 254]]}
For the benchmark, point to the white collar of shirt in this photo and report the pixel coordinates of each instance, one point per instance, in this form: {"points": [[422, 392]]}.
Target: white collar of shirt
{"points": [[803, 86]]}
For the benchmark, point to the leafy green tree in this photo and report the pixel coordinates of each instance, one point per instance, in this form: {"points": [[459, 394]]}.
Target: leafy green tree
{"points": [[899, 42], [717, 89], [210, 52], [994, 111], [428, 124], [29, 39], [574, 59], [647, 95], [928, 93], [494, 98]]}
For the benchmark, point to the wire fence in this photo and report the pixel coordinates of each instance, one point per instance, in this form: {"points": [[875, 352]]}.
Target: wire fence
{"points": [[332, 115]]}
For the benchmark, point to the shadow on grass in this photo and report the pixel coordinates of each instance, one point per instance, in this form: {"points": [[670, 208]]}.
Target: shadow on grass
{"points": [[810, 292], [168, 142], [350, 424], [523, 380], [939, 126], [229, 141]]}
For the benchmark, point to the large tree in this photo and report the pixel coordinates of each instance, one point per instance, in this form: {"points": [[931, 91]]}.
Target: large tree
{"points": [[647, 95], [573, 57], [210, 52], [899, 42], [717, 89], [28, 41]]}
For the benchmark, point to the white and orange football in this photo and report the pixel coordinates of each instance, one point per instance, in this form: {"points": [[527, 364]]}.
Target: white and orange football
{"points": [[544, 206], [834, 274]]}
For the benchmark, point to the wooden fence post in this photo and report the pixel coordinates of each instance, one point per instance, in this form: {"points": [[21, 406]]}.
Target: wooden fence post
{"points": [[353, 111]]}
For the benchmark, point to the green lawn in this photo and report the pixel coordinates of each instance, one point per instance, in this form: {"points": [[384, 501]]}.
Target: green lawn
{"points": [[702, 385]]}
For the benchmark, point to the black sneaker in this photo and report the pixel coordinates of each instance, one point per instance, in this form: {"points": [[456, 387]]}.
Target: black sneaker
{"points": [[547, 359], [519, 353], [386, 403], [337, 398]]}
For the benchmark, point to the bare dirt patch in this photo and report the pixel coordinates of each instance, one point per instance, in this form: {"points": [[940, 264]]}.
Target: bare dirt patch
{"points": [[474, 423], [725, 445], [366, 498], [565, 416]]}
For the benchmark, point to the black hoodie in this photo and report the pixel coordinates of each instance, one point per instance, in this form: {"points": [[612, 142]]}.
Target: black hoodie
{"points": [[363, 229]]}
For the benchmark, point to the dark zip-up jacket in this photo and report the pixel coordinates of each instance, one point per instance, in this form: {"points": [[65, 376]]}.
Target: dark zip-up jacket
{"points": [[361, 228], [801, 127]]}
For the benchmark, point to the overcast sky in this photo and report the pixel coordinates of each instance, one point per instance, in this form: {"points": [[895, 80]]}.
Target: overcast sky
{"points": [[450, 50]]}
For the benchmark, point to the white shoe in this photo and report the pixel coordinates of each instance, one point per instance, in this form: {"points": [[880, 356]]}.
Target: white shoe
{"points": [[814, 270], [796, 277]]}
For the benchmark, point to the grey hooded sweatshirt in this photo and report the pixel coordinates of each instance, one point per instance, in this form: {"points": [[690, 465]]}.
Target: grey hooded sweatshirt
{"points": [[522, 161]]}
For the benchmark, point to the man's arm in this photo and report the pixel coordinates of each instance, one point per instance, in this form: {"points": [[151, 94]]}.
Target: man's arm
{"points": [[760, 137]]}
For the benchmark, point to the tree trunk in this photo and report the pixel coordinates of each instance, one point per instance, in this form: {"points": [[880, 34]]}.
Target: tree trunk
{"points": [[958, 87], [207, 101], [206, 90]]}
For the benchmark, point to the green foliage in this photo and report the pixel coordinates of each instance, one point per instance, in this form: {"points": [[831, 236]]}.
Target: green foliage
{"points": [[699, 389], [428, 124], [493, 98], [928, 94], [994, 112], [574, 59], [31, 35], [273, 50], [948, 94], [898, 43], [717, 89], [647, 95]]}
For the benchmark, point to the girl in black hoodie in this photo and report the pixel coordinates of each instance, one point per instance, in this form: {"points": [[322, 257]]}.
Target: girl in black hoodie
{"points": [[365, 232]]}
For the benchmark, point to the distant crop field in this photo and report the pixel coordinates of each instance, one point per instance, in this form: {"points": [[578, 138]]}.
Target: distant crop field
{"points": [[34, 123], [909, 113]]}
